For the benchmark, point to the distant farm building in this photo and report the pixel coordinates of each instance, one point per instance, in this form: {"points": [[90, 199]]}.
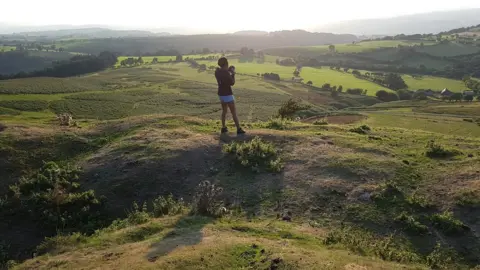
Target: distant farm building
{"points": [[446, 93], [429, 93], [297, 79], [468, 93]]}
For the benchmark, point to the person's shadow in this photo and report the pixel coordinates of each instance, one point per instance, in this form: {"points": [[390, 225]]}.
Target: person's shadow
{"points": [[187, 232]]}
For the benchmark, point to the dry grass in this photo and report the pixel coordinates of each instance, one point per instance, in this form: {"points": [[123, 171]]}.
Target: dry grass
{"points": [[217, 248]]}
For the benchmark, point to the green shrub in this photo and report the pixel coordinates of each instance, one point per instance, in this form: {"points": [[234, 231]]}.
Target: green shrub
{"points": [[441, 258], [418, 201], [468, 198], [438, 151], [410, 224], [363, 129], [138, 216], [289, 108], [448, 224], [53, 199], [278, 123], [163, 206], [255, 154], [207, 200], [321, 122], [468, 120]]}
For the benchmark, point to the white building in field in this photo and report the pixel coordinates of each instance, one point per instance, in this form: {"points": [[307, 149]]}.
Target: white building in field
{"points": [[468, 93]]}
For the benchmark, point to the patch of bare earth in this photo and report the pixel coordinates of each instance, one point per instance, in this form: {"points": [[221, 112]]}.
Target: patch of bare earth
{"points": [[152, 162]]}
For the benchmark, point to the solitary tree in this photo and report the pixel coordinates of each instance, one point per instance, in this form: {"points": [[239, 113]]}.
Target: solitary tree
{"points": [[331, 48]]}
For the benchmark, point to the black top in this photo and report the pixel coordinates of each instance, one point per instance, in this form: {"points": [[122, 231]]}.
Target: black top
{"points": [[225, 81]]}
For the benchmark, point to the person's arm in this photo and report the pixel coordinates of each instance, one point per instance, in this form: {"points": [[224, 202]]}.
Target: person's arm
{"points": [[228, 78]]}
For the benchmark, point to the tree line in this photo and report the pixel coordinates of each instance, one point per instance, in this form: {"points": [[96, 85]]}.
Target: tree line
{"points": [[77, 65]]}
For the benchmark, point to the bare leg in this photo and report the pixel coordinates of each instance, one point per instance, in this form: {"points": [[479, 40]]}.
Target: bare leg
{"points": [[233, 110], [224, 113]]}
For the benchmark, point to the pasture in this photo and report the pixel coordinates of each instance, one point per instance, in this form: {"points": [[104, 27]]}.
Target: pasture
{"points": [[434, 83], [364, 46], [6, 48], [318, 76]]}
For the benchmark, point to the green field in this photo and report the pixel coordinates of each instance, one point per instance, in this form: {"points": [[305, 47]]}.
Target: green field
{"points": [[6, 48], [449, 49], [318, 76], [434, 83], [341, 48], [469, 110], [147, 59]]}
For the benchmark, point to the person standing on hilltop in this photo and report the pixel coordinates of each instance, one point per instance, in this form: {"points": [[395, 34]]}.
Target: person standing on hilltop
{"points": [[226, 78]]}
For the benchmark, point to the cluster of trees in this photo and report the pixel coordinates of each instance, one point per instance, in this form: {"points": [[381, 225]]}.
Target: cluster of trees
{"points": [[77, 65], [286, 62], [470, 83], [132, 61], [271, 76], [37, 46], [12, 62], [386, 96], [335, 91], [391, 80]]}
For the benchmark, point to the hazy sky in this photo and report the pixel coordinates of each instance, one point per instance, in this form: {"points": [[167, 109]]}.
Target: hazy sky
{"points": [[214, 15]]}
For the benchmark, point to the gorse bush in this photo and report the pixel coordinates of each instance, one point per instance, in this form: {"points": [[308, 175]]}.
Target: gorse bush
{"points": [[321, 122], [434, 150], [410, 224], [255, 154], [363, 129], [138, 215], [290, 108], [448, 224], [207, 200], [441, 258], [53, 199], [163, 206], [278, 123]]}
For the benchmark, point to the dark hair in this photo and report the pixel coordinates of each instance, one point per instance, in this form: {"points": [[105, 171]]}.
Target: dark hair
{"points": [[222, 62]]}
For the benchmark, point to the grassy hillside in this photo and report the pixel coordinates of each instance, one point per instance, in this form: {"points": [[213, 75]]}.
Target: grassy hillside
{"points": [[367, 188], [342, 48], [449, 49], [201, 243]]}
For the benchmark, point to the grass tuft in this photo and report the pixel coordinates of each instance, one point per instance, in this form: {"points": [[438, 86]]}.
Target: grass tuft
{"points": [[435, 150]]}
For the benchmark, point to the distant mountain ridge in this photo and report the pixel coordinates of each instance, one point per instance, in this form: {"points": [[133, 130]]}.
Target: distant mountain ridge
{"points": [[424, 23], [92, 33]]}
